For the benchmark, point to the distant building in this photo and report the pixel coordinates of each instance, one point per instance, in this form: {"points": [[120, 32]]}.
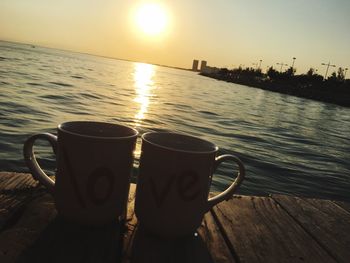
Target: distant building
{"points": [[195, 65], [203, 65], [210, 70], [207, 69]]}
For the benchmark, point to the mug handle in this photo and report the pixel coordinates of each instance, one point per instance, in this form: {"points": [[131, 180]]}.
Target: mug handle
{"points": [[225, 195], [30, 159]]}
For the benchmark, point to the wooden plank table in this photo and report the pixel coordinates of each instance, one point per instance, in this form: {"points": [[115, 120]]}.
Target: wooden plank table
{"points": [[243, 229]]}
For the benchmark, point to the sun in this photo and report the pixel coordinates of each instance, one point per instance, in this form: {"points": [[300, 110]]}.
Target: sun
{"points": [[151, 19]]}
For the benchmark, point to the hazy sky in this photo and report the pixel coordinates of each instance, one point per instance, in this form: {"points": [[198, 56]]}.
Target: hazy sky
{"points": [[223, 32]]}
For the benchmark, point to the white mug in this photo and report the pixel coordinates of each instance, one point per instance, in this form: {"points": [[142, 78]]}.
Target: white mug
{"points": [[94, 164], [174, 180]]}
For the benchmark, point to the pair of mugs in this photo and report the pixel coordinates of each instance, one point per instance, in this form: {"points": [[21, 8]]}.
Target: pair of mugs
{"points": [[94, 165]]}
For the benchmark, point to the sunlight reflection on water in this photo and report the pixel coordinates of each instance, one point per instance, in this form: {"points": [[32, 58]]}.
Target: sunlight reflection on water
{"points": [[143, 85], [143, 82]]}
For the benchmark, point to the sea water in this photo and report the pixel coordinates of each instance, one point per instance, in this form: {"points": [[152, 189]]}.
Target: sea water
{"points": [[289, 145]]}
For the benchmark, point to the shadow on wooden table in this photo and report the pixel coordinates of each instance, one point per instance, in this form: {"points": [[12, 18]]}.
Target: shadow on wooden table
{"points": [[61, 241], [147, 248]]}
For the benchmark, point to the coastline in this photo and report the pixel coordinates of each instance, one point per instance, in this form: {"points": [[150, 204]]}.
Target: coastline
{"points": [[325, 91]]}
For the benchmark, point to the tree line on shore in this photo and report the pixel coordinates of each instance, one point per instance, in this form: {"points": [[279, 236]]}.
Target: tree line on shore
{"points": [[334, 89]]}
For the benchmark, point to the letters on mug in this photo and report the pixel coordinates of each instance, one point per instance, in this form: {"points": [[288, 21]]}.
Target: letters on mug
{"points": [[73, 179], [97, 174], [187, 187]]}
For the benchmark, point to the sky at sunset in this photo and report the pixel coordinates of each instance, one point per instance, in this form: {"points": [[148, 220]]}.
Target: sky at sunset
{"points": [[226, 33]]}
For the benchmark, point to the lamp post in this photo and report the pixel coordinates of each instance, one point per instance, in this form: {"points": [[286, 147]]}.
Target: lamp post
{"points": [[260, 63], [294, 58], [328, 65], [281, 65], [346, 69]]}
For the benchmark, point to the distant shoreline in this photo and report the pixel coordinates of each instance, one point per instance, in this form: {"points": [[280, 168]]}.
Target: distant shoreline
{"points": [[90, 54], [325, 91]]}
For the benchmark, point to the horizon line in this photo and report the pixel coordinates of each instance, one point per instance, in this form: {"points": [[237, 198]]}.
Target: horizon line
{"points": [[91, 54]]}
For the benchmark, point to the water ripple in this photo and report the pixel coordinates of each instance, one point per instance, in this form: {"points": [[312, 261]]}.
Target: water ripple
{"points": [[77, 77], [208, 113], [34, 84], [61, 83]]}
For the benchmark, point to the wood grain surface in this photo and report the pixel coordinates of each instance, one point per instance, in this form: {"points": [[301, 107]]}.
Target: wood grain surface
{"points": [[243, 229]]}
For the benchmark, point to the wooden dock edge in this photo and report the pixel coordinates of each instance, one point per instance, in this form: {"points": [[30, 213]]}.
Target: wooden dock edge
{"points": [[243, 229]]}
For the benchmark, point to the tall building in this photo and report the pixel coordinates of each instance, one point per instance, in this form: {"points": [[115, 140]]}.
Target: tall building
{"points": [[195, 65], [203, 65]]}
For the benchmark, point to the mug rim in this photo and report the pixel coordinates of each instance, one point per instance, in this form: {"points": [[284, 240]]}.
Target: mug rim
{"points": [[62, 129], [215, 148]]}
